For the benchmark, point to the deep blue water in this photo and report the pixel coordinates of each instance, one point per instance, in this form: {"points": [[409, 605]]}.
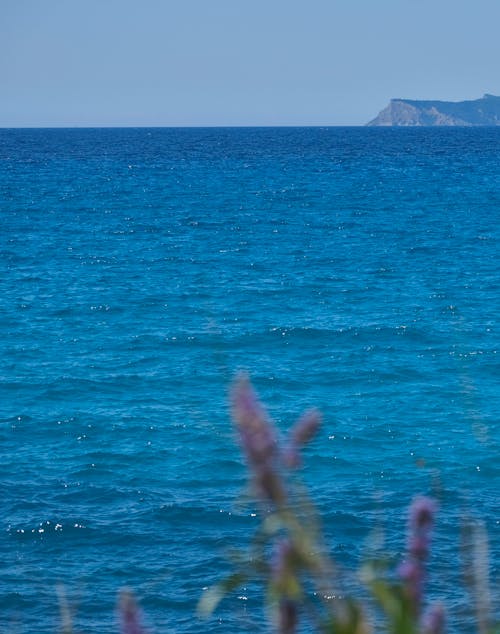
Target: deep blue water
{"points": [[357, 270]]}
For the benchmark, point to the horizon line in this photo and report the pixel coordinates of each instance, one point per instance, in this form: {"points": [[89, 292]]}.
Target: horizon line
{"points": [[201, 126]]}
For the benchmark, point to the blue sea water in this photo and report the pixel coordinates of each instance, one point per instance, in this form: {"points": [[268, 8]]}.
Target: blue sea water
{"points": [[352, 269]]}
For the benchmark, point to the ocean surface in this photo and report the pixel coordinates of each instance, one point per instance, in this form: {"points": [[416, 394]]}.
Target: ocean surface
{"points": [[352, 269]]}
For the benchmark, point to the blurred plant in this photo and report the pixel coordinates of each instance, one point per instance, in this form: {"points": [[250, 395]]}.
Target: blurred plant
{"points": [[66, 621], [129, 612], [475, 556], [286, 553], [298, 575], [402, 599]]}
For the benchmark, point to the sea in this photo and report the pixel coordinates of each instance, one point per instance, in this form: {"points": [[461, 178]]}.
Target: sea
{"points": [[356, 270]]}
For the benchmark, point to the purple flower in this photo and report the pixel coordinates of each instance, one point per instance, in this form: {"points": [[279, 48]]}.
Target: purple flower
{"points": [[130, 615], [412, 571], [257, 436], [258, 441], [420, 522], [306, 427], [412, 574], [301, 433], [422, 512]]}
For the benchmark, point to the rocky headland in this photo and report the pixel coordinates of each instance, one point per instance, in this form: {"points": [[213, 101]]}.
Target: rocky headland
{"points": [[408, 112]]}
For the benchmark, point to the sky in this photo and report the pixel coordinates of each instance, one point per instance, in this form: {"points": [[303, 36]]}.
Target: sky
{"points": [[238, 62]]}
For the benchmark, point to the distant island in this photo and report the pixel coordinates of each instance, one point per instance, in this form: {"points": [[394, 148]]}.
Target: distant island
{"points": [[408, 112]]}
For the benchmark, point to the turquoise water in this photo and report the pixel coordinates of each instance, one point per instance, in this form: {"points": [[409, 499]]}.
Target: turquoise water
{"points": [[356, 270]]}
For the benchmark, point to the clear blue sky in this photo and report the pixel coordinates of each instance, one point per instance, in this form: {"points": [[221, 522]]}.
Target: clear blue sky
{"points": [[238, 62]]}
